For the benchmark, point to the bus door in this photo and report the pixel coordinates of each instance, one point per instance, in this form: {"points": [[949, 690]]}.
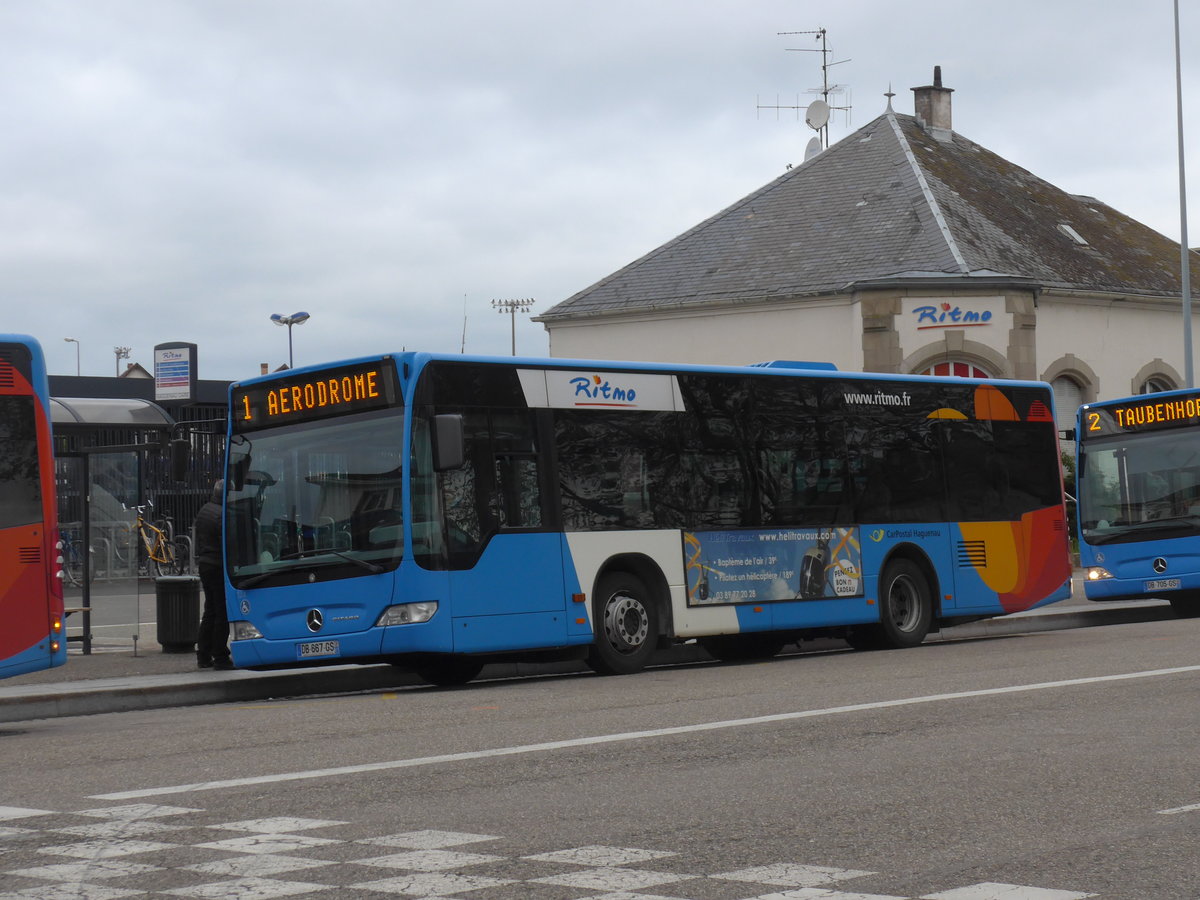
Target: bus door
{"points": [[506, 582]]}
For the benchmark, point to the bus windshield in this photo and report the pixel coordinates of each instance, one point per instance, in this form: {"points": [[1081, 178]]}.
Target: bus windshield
{"points": [[315, 500], [1140, 486]]}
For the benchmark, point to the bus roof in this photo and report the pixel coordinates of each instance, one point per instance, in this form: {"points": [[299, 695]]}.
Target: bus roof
{"points": [[411, 362]]}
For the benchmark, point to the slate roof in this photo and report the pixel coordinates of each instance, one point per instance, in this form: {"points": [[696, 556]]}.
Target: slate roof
{"points": [[892, 202]]}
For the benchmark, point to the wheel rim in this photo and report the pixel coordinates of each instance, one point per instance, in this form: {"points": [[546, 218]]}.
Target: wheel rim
{"points": [[626, 623], [904, 602]]}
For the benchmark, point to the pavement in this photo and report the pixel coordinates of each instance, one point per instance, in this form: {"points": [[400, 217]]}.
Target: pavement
{"points": [[125, 674]]}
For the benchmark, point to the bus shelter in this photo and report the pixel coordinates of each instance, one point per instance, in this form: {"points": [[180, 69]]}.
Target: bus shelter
{"points": [[109, 459]]}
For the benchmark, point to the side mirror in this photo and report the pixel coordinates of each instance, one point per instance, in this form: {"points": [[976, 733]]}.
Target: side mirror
{"points": [[237, 472], [448, 443], [181, 457]]}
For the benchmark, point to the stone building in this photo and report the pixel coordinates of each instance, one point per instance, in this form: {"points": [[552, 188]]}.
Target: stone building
{"points": [[903, 248]]}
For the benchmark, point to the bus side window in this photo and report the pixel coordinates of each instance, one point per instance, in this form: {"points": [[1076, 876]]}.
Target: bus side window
{"points": [[976, 478], [517, 491]]}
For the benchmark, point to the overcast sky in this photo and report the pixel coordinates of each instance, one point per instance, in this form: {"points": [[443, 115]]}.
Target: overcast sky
{"points": [[179, 170]]}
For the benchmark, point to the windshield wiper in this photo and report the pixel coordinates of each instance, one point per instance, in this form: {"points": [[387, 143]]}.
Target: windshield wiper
{"points": [[300, 554], [253, 580], [371, 567], [1119, 531]]}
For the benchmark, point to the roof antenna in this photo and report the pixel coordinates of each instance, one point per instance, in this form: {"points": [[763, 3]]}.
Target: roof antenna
{"points": [[816, 114]]}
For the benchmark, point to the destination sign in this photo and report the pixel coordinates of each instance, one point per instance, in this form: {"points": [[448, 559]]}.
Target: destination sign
{"points": [[336, 391], [1150, 413]]}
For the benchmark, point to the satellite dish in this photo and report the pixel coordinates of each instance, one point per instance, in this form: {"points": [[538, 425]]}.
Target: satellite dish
{"points": [[817, 115], [813, 148]]}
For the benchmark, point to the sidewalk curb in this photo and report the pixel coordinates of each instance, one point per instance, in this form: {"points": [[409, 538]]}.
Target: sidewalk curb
{"points": [[128, 694], [1051, 620]]}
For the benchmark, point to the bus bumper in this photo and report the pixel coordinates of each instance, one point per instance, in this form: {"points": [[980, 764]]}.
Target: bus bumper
{"points": [[1139, 579], [372, 645]]}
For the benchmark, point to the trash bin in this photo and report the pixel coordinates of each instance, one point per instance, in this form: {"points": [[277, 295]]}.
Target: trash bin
{"points": [[177, 598]]}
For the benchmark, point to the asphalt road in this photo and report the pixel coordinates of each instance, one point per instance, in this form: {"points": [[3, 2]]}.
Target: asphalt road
{"points": [[1042, 766]]}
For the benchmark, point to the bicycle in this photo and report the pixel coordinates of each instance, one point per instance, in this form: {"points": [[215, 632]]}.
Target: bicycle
{"points": [[163, 551], [70, 554]]}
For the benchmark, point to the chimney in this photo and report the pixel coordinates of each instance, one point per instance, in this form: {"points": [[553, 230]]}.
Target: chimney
{"points": [[263, 368], [932, 104]]}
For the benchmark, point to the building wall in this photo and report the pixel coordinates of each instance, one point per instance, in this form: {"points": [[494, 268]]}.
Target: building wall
{"points": [[1113, 344], [1108, 347], [817, 331]]}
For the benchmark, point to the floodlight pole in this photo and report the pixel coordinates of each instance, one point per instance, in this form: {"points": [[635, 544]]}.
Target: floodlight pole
{"points": [[512, 307], [121, 353], [1185, 262]]}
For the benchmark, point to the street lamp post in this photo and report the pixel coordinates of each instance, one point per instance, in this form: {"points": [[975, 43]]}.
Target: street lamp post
{"points": [[1185, 262], [512, 307], [297, 318], [76, 343]]}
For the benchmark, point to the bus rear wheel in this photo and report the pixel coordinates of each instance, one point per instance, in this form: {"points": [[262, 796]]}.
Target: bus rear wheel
{"points": [[905, 610], [625, 621]]}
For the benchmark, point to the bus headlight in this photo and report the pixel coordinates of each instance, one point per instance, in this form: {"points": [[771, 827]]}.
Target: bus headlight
{"points": [[408, 613], [244, 631], [1098, 573]]}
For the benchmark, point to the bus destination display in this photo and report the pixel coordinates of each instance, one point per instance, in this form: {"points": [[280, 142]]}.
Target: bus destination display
{"points": [[1149, 413], [315, 395]]}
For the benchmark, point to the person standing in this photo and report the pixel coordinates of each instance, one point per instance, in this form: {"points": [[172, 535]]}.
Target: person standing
{"points": [[212, 645]]}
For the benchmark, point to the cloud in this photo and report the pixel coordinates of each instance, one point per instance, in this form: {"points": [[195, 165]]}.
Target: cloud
{"points": [[182, 169]]}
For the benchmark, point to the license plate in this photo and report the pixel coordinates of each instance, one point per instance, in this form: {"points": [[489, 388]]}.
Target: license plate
{"points": [[1165, 584], [317, 648]]}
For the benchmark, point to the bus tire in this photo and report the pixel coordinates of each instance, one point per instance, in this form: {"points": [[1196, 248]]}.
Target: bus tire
{"points": [[905, 604], [905, 610], [625, 621], [450, 672], [742, 647]]}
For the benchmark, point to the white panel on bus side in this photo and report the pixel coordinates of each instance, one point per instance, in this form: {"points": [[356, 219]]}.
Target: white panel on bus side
{"points": [[591, 550]]}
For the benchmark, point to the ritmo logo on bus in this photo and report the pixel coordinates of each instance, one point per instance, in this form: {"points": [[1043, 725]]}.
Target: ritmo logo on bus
{"points": [[601, 392]]}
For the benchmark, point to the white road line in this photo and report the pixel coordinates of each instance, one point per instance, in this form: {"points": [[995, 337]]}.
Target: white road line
{"points": [[1191, 807], [549, 746]]}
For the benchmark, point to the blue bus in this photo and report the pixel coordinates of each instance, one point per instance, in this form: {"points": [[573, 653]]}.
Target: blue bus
{"points": [[31, 596], [1138, 487], [440, 512]]}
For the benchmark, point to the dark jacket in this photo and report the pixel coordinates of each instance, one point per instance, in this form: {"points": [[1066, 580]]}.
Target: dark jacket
{"points": [[208, 535]]}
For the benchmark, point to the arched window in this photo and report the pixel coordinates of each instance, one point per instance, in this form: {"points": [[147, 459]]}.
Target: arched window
{"points": [[1068, 396], [1155, 384], [960, 368]]}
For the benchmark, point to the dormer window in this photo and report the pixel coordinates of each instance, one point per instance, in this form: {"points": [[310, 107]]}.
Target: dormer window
{"points": [[1072, 234]]}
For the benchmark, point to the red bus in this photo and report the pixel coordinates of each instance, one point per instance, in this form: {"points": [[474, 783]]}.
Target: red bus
{"points": [[32, 634]]}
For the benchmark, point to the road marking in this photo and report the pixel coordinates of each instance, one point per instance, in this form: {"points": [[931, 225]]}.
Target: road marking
{"points": [[622, 737], [1191, 807]]}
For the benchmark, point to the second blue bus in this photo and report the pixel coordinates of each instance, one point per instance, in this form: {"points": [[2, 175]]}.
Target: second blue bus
{"points": [[1138, 473]]}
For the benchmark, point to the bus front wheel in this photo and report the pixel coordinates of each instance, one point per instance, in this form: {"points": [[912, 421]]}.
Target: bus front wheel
{"points": [[625, 622], [905, 610]]}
